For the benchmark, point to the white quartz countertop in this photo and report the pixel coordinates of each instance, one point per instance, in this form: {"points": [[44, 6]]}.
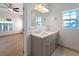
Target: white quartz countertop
{"points": [[42, 34]]}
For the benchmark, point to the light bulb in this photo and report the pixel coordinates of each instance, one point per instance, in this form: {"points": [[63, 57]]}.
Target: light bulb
{"points": [[40, 10], [44, 10], [39, 6]]}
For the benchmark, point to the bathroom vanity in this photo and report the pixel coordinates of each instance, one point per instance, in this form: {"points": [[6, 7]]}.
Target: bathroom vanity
{"points": [[43, 43]]}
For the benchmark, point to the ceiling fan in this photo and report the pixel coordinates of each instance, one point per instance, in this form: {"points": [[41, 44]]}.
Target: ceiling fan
{"points": [[10, 7]]}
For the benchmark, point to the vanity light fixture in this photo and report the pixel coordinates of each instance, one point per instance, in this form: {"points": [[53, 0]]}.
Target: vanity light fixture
{"points": [[41, 8]]}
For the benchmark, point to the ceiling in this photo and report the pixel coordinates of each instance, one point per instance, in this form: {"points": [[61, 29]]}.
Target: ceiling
{"points": [[15, 5]]}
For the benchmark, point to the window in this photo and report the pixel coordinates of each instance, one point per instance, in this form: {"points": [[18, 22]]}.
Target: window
{"points": [[70, 24], [71, 18], [5, 25]]}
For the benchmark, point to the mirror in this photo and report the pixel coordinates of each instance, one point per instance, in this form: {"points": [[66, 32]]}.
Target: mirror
{"points": [[40, 21]]}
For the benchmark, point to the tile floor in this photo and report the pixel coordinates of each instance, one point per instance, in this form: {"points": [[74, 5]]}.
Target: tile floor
{"points": [[60, 51]]}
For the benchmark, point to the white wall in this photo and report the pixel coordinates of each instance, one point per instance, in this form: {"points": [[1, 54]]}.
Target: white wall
{"points": [[27, 27], [16, 19], [67, 37], [52, 19]]}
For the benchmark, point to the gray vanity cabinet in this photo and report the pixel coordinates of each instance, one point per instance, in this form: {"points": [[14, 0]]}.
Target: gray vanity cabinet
{"points": [[43, 46]]}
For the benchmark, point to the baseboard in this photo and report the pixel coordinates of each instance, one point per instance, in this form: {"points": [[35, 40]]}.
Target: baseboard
{"points": [[11, 34], [68, 48]]}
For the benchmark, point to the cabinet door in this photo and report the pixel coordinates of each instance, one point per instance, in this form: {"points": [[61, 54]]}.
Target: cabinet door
{"points": [[52, 45], [36, 44], [46, 47], [53, 42]]}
